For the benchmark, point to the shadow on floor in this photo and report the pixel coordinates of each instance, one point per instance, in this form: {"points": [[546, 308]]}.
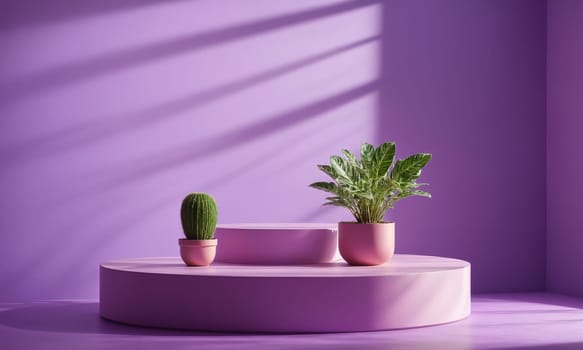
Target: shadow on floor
{"points": [[68, 317], [569, 346], [536, 298], [71, 321], [67, 324]]}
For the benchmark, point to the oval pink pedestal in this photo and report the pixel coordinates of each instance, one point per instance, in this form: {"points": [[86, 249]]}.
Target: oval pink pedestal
{"points": [[410, 291], [276, 244]]}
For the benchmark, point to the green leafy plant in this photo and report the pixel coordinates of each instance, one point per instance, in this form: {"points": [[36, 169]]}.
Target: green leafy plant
{"points": [[371, 185], [198, 214]]}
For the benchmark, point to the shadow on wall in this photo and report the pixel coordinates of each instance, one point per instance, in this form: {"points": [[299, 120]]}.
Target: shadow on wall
{"points": [[450, 77], [39, 13], [148, 166], [94, 244], [97, 244], [74, 72], [81, 157], [89, 132]]}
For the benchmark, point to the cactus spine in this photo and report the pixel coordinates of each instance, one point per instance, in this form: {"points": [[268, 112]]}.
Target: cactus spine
{"points": [[199, 216]]}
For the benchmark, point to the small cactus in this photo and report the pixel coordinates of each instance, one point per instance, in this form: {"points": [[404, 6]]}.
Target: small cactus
{"points": [[199, 216]]}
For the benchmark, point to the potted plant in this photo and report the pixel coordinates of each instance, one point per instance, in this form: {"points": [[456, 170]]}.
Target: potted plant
{"points": [[198, 214], [369, 187]]}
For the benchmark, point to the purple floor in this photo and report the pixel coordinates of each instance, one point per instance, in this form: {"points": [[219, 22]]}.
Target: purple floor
{"points": [[498, 321]]}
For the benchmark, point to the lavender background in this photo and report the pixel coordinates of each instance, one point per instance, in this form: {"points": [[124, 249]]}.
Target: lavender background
{"points": [[113, 110], [565, 142]]}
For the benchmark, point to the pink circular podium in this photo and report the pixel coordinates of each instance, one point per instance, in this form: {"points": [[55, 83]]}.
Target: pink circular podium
{"points": [[409, 291]]}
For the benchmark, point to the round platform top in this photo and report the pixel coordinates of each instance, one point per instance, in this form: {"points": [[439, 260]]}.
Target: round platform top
{"points": [[399, 265], [409, 291]]}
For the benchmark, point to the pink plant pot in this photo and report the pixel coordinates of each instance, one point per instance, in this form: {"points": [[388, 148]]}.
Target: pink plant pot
{"points": [[366, 244], [197, 252]]}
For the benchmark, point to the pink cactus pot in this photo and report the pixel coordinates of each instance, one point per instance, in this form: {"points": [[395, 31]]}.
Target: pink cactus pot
{"points": [[366, 244], [196, 252]]}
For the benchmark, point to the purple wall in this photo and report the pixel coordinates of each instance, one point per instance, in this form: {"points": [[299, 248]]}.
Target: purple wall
{"points": [[465, 80], [113, 110], [565, 142]]}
